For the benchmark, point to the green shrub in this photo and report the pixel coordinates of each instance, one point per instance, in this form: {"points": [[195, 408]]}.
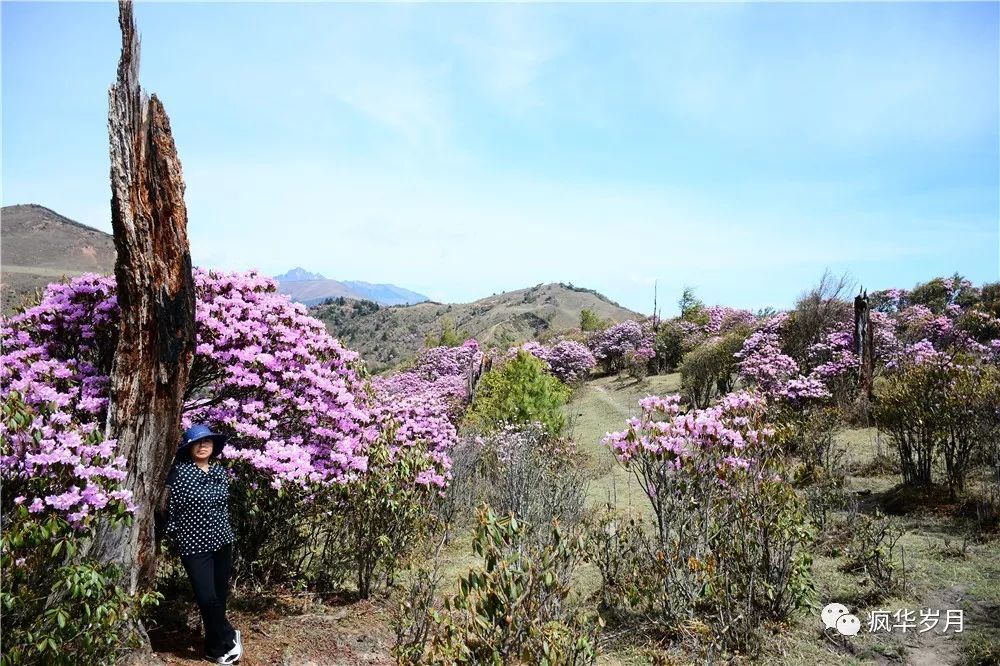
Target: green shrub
{"points": [[58, 608], [981, 325], [512, 609], [590, 321], [973, 420], [375, 522], [874, 549], [269, 526], [936, 294], [989, 298], [334, 536], [668, 346], [449, 337], [519, 391], [940, 408], [691, 308], [909, 405], [710, 370]]}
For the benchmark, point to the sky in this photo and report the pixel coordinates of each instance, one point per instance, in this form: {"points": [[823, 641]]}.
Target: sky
{"points": [[461, 150]]}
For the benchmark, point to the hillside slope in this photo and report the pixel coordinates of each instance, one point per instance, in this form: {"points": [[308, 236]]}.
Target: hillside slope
{"points": [[39, 246], [386, 337]]}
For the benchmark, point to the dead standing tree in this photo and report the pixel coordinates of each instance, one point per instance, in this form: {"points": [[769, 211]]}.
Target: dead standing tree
{"points": [[864, 345], [156, 296]]}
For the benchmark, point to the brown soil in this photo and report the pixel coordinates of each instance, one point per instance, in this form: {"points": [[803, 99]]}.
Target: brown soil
{"points": [[312, 635]]}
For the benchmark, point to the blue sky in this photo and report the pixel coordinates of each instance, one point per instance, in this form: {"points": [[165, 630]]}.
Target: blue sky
{"points": [[460, 150]]}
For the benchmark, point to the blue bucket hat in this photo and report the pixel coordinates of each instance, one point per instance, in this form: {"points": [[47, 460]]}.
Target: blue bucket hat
{"points": [[199, 431]]}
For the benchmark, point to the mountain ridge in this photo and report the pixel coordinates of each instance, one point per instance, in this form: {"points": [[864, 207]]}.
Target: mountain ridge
{"points": [[388, 337]]}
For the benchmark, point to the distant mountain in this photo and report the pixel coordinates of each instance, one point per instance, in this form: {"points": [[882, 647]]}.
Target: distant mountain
{"points": [[389, 336], [386, 294], [297, 275], [313, 289], [40, 246]]}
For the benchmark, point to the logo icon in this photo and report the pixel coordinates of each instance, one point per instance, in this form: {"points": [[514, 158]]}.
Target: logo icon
{"points": [[831, 613], [848, 625]]}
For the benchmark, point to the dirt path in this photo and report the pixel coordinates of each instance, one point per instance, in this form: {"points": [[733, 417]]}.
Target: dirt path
{"points": [[322, 636]]}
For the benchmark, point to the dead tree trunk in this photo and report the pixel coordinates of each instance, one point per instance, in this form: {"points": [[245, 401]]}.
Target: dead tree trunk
{"points": [[156, 297], [864, 345]]}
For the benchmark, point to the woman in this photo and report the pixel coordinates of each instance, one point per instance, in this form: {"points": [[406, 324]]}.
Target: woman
{"points": [[198, 526]]}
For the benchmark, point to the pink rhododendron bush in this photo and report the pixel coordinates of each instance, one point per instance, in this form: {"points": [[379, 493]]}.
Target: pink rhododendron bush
{"points": [[302, 424], [569, 361], [905, 327], [730, 541], [621, 345]]}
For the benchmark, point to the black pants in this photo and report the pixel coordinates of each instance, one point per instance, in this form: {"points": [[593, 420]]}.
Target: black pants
{"points": [[209, 575]]}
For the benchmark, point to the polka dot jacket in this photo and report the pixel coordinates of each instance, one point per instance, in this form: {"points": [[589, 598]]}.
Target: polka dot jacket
{"points": [[198, 509]]}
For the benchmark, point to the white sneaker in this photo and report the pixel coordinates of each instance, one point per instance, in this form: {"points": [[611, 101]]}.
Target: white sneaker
{"points": [[235, 653]]}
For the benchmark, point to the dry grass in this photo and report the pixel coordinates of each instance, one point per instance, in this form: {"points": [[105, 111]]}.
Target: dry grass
{"points": [[940, 575]]}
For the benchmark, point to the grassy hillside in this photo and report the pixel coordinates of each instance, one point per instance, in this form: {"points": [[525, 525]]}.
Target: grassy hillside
{"points": [[386, 337], [41, 246]]}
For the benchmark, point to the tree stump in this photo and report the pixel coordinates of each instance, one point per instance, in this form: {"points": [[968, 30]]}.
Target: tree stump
{"points": [[156, 296]]}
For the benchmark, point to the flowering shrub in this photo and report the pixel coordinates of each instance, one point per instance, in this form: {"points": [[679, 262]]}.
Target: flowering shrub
{"points": [[448, 361], [39, 541], [731, 534], [612, 345], [52, 369], [887, 300], [271, 377], [290, 397], [264, 372], [722, 320], [762, 363], [570, 361]]}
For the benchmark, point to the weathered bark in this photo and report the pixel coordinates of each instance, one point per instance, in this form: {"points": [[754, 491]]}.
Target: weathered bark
{"points": [[156, 297], [864, 344]]}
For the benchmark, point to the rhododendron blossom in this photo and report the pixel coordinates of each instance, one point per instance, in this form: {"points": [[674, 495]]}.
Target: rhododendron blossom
{"points": [[264, 372], [568, 360], [611, 346], [729, 430]]}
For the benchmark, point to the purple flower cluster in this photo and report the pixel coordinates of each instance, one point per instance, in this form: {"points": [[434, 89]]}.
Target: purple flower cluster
{"points": [[264, 372], [764, 365], [273, 378], [612, 346], [568, 360], [834, 356], [730, 430], [50, 369], [722, 320], [448, 361], [762, 362], [425, 403]]}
